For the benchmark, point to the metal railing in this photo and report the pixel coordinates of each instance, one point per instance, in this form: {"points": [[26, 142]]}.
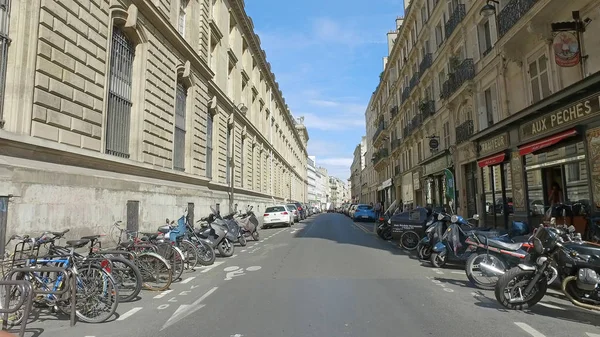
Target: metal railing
{"points": [[426, 62], [405, 93], [25, 299], [394, 111], [396, 143], [512, 13], [414, 80], [427, 109], [380, 155], [380, 129], [464, 72], [455, 19], [464, 131]]}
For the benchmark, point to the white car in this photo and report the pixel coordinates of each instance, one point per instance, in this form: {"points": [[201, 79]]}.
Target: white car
{"points": [[277, 215]]}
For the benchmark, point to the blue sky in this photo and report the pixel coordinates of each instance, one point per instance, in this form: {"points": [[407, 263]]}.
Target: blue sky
{"points": [[326, 56]]}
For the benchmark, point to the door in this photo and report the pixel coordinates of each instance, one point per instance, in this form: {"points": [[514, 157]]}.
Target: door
{"points": [[471, 180]]}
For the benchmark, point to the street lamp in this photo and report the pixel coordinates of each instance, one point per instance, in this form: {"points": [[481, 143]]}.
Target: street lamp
{"points": [[488, 9]]}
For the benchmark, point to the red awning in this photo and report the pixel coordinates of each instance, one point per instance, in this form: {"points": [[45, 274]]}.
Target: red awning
{"points": [[492, 160], [546, 142]]}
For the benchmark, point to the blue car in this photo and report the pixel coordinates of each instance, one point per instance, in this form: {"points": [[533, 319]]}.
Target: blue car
{"points": [[364, 212]]}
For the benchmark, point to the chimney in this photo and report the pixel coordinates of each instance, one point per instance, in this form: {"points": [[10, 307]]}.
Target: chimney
{"points": [[399, 22], [406, 4], [391, 39]]}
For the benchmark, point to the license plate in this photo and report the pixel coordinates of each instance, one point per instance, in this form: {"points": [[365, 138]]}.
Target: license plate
{"points": [[274, 219], [364, 217]]}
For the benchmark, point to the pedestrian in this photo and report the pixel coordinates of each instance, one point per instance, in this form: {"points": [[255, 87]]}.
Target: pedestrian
{"points": [[378, 209], [554, 198]]}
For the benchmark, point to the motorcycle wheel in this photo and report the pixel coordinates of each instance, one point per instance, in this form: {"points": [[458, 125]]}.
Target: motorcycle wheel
{"points": [[255, 235], [206, 254], [242, 240], [513, 282], [225, 248], [409, 240], [478, 277], [387, 234], [437, 260], [424, 252]]}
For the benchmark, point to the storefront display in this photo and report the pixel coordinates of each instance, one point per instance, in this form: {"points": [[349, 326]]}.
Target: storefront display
{"points": [[439, 180]]}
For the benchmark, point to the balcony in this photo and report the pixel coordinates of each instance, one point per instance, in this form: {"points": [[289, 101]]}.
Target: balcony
{"points": [[394, 112], [397, 170], [455, 19], [396, 144], [512, 13], [405, 94], [427, 109], [380, 130], [425, 63], [416, 122], [414, 80], [464, 132], [380, 155], [463, 73]]}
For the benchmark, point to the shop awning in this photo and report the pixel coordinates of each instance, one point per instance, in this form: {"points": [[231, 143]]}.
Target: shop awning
{"points": [[492, 160], [546, 142]]}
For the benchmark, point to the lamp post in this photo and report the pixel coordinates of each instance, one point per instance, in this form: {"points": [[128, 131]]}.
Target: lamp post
{"points": [[488, 9], [242, 108]]}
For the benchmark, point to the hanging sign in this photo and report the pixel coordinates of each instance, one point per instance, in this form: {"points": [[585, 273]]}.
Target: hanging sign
{"points": [[566, 49]]}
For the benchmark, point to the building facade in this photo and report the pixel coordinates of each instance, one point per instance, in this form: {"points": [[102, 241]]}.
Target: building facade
{"points": [[356, 175], [133, 110], [323, 188], [370, 176], [485, 106], [311, 176]]}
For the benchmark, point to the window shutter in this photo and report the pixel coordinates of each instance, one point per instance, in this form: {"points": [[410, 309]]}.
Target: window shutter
{"points": [[493, 31], [482, 114], [495, 111], [475, 47]]}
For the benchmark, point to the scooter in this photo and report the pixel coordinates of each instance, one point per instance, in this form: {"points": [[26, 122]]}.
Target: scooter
{"points": [[452, 245], [214, 232], [434, 230], [235, 233], [249, 224]]}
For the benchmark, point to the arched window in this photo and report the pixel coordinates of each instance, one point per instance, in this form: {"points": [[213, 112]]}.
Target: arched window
{"points": [[118, 121], [179, 136]]}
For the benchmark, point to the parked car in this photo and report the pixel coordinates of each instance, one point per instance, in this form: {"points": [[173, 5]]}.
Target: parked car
{"points": [[301, 210], [294, 209], [364, 212], [277, 215], [351, 210]]}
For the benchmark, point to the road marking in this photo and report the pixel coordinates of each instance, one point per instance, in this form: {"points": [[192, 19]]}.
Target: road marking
{"points": [[529, 329], [234, 255], [552, 307], [360, 227], [458, 272], [592, 334], [163, 294], [129, 313], [254, 268], [231, 268], [208, 268], [187, 309], [243, 250], [187, 280]]}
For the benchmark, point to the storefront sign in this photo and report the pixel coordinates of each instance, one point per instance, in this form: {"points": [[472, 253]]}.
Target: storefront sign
{"points": [[492, 145], [593, 144], [566, 49], [416, 180], [516, 164], [450, 190], [572, 114], [436, 166], [386, 184]]}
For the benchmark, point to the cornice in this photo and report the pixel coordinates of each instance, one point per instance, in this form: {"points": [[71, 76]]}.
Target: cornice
{"points": [[237, 6]]}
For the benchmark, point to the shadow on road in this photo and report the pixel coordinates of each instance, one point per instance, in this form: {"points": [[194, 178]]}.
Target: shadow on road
{"points": [[339, 228]]}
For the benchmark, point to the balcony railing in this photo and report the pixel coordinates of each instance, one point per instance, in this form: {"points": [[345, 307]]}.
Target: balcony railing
{"points": [[464, 72], [394, 112], [455, 18], [464, 132], [405, 93], [416, 122], [380, 129], [414, 80], [425, 63], [427, 109], [397, 170], [380, 155], [512, 13]]}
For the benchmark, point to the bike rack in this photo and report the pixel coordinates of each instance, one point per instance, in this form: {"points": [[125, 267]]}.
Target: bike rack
{"points": [[26, 294], [68, 280]]}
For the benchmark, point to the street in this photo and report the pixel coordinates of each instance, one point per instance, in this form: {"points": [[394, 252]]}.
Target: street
{"points": [[325, 276]]}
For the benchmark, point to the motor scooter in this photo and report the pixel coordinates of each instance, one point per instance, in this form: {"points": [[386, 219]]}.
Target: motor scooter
{"points": [[248, 224], [235, 232], [214, 231]]}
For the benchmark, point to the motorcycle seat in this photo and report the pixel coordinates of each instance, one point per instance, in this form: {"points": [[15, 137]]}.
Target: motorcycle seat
{"points": [[504, 245]]}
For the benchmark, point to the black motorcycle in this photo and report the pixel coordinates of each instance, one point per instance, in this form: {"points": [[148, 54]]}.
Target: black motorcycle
{"points": [[578, 265], [384, 225], [434, 230]]}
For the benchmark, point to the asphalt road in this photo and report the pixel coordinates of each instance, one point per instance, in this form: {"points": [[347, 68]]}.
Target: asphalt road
{"points": [[326, 277]]}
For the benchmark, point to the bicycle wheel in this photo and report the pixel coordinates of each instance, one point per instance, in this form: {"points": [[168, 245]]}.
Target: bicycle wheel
{"points": [[14, 293], [156, 271], [128, 278], [190, 254], [177, 261], [97, 295]]}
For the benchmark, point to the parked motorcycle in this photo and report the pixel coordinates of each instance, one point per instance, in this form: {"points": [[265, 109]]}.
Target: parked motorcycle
{"points": [[235, 233], [214, 232], [452, 246], [384, 225], [578, 265], [434, 230], [249, 224]]}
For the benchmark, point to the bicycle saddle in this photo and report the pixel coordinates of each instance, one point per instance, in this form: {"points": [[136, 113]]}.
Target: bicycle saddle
{"points": [[91, 237], [77, 243]]}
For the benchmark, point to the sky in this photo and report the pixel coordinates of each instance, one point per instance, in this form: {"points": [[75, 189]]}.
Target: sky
{"points": [[327, 57]]}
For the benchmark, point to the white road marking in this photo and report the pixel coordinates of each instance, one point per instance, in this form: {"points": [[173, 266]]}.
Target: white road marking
{"points": [[187, 280], [552, 306], [187, 309], [253, 268], [163, 294], [458, 272], [206, 269], [234, 255], [129, 313], [243, 250], [529, 329], [231, 268], [237, 335], [592, 334]]}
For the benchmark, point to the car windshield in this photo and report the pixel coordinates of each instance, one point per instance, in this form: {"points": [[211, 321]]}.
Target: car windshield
{"points": [[275, 209], [292, 206], [365, 207]]}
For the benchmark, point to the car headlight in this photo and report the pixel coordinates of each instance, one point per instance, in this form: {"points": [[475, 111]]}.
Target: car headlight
{"points": [[454, 219]]}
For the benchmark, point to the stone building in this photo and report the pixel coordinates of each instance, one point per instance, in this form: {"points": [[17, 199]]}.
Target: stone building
{"points": [[133, 110], [486, 104]]}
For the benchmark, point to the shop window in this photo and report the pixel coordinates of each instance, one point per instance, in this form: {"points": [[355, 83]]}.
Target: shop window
{"points": [[538, 78]]}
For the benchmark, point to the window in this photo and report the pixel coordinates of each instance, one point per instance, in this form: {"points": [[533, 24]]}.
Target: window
{"points": [[419, 152], [119, 95], [242, 161], [230, 79], [424, 14], [538, 78], [488, 107], [441, 80], [182, 15], [209, 145], [447, 134], [4, 43], [179, 139], [228, 159], [485, 38], [439, 36]]}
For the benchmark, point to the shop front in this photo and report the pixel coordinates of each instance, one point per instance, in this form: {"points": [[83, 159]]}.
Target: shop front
{"points": [[386, 193], [438, 178], [408, 195], [416, 184], [496, 177]]}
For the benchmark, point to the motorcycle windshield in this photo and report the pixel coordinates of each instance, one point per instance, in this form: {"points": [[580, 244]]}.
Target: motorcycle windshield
{"points": [[452, 237], [392, 206]]}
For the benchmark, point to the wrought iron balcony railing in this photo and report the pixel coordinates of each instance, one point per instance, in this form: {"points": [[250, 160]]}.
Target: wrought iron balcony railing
{"points": [[425, 63], [414, 80], [464, 132], [380, 129], [405, 93], [416, 122], [512, 13], [394, 111], [455, 19], [427, 109], [463, 73], [380, 155]]}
